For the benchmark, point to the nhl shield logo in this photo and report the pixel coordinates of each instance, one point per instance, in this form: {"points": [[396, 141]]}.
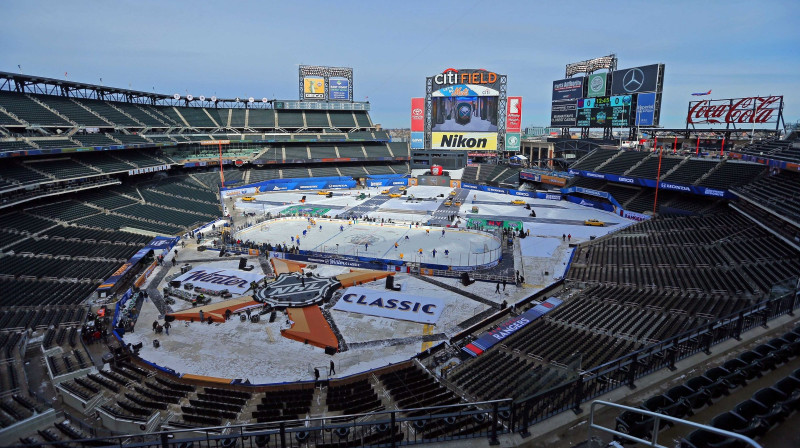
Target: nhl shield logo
{"points": [[292, 290]]}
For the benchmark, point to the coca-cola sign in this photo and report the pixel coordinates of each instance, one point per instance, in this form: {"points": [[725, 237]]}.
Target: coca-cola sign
{"points": [[755, 109]]}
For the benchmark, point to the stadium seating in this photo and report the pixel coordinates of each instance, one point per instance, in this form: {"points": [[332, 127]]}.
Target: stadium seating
{"points": [[27, 109], [732, 174], [14, 145], [315, 119], [72, 110], [784, 150], [53, 143], [261, 118], [778, 192], [623, 162], [94, 140], [289, 119], [343, 120], [689, 172], [591, 161], [649, 167], [130, 139]]}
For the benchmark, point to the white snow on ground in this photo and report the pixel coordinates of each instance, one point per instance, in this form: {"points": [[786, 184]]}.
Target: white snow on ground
{"points": [[259, 353], [538, 246], [428, 192], [357, 327], [254, 351]]}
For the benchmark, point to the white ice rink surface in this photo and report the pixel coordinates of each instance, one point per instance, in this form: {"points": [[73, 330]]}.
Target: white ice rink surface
{"points": [[466, 247]]}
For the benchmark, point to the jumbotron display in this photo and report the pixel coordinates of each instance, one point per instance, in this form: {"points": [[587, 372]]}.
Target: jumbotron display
{"points": [[605, 111], [466, 109], [617, 98]]}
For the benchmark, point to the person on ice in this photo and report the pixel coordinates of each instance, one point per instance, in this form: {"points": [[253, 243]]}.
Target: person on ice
{"points": [[446, 253], [395, 245], [442, 233], [434, 253], [341, 228]]}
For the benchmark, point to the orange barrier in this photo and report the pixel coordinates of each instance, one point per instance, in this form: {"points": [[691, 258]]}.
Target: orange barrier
{"points": [[208, 379], [216, 311], [310, 327], [286, 266], [359, 276]]}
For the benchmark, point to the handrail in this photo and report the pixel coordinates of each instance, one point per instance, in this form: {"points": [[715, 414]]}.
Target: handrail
{"points": [[656, 420]]}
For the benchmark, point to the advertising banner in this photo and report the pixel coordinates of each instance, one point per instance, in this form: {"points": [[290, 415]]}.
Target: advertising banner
{"points": [[596, 85], [313, 87], [650, 183], [634, 216], [568, 89], [553, 180], [511, 326], [636, 79], [466, 90], [485, 141], [339, 88], [646, 109], [564, 113], [514, 115], [417, 140], [590, 203], [417, 115], [479, 80], [319, 83], [209, 277], [390, 304], [513, 141], [755, 109]]}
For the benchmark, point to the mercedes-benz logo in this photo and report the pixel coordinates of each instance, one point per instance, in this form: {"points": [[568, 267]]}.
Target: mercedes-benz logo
{"points": [[633, 80]]}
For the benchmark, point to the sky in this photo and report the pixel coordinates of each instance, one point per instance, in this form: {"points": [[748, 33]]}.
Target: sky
{"points": [[253, 48]]}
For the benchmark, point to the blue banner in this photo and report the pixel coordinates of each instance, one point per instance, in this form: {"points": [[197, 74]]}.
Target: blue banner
{"points": [[338, 88], [651, 183], [590, 203], [417, 140], [509, 327], [646, 109]]}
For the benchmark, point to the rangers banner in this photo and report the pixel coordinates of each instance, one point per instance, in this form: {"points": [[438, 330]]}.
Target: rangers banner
{"points": [[208, 277], [509, 327], [393, 305]]}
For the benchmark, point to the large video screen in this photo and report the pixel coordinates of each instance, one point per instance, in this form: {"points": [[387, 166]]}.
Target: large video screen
{"points": [[464, 114], [613, 111]]}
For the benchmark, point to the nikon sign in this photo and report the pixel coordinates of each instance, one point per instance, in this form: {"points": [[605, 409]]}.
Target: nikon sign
{"points": [[474, 141]]}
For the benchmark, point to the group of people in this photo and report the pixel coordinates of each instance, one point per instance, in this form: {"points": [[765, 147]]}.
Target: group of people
{"points": [[158, 328], [331, 372]]}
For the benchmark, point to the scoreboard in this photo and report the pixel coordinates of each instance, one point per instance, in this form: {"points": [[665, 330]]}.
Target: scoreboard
{"points": [[606, 111]]}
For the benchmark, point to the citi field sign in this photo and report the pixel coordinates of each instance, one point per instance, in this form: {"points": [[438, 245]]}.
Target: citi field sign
{"points": [[466, 76], [453, 76]]}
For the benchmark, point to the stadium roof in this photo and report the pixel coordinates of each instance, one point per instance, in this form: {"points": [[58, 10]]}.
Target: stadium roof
{"points": [[18, 82]]}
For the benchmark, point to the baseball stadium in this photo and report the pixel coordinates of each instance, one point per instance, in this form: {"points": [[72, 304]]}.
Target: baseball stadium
{"points": [[184, 271]]}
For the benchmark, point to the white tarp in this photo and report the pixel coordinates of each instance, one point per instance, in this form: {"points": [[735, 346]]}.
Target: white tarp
{"points": [[393, 305], [208, 277]]}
